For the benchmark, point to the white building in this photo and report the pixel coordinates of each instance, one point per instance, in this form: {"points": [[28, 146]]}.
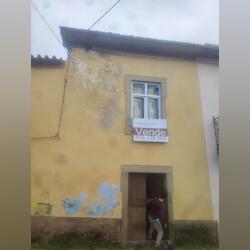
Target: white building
{"points": [[208, 72]]}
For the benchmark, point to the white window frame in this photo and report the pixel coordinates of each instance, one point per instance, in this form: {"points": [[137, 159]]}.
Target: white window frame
{"points": [[145, 97]]}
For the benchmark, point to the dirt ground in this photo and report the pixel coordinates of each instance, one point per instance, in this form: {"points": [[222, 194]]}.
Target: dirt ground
{"points": [[127, 248]]}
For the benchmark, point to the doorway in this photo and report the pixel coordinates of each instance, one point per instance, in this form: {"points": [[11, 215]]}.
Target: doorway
{"points": [[138, 185], [156, 185]]}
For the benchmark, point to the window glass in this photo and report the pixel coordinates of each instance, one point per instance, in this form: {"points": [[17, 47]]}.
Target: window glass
{"points": [[138, 109], [153, 108], [153, 89], [138, 88]]}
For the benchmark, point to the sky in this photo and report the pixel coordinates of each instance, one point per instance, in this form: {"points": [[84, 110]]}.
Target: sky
{"points": [[194, 21]]}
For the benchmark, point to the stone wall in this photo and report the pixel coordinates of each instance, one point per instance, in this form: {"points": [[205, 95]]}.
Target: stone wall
{"points": [[200, 231], [46, 227]]}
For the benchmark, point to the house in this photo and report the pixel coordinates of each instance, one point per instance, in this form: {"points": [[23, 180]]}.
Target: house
{"points": [[208, 72], [121, 122]]}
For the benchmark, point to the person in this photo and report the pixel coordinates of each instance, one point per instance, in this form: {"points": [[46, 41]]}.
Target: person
{"points": [[156, 212]]}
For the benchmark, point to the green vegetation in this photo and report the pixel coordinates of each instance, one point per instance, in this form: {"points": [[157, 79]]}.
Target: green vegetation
{"points": [[71, 242]]}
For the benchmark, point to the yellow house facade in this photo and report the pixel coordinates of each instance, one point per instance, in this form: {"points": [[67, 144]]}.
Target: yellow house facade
{"points": [[88, 173]]}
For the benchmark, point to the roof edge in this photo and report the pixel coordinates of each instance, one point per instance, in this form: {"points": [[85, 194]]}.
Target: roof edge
{"points": [[90, 39], [46, 61]]}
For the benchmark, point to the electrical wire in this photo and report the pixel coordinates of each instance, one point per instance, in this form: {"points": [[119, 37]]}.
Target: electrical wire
{"points": [[56, 136], [63, 97], [65, 80], [99, 19], [48, 25], [67, 69]]}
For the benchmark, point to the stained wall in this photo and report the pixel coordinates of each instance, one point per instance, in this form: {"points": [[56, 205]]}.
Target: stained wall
{"points": [[79, 174]]}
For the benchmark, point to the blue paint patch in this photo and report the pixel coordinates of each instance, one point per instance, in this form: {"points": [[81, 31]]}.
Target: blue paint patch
{"points": [[83, 197], [108, 200], [97, 210], [72, 206]]}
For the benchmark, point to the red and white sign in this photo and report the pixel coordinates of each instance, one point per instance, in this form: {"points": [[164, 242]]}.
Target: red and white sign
{"points": [[150, 130]]}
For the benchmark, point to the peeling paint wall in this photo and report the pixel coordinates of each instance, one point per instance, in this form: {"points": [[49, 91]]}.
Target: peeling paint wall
{"points": [[103, 203], [73, 206], [102, 82], [106, 201], [80, 173]]}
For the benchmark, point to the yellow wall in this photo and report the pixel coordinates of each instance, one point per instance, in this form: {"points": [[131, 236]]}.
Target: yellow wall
{"points": [[47, 90], [93, 145]]}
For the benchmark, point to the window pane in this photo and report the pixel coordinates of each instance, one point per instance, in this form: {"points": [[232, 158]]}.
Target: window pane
{"points": [[153, 89], [138, 88], [153, 108], [138, 109]]}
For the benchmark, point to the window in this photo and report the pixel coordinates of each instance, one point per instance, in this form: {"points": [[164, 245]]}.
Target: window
{"points": [[146, 100]]}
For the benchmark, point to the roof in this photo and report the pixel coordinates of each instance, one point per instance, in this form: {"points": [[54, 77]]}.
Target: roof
{"points": [[89, 39], [46, 61]]}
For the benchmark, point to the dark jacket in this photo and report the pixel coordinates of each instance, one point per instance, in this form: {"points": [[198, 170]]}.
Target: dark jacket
{"points": [[156, 209]]}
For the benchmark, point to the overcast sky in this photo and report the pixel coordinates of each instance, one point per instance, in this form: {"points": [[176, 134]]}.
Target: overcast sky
{"points": [[195, 21]]}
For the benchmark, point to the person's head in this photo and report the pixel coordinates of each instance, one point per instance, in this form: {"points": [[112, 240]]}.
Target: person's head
{"points": [[161, 197]]}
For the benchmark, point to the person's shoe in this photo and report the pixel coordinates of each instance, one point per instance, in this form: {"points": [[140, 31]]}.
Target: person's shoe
{"points": [[168, 245]]}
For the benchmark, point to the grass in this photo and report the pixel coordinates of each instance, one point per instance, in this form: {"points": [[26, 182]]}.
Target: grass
{"points": [[97, 243]]}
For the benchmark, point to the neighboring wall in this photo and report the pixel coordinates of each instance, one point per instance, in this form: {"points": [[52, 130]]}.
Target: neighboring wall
{"points": [[79, 174], [47, 91], [209, 86]]}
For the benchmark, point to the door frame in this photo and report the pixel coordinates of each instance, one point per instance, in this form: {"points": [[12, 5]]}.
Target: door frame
{"points": [[125, 170]]}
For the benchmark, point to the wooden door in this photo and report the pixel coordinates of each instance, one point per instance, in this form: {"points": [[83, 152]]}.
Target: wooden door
{"points": [[137, 207]]}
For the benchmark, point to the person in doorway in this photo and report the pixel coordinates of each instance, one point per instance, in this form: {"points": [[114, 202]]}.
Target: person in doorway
{"points": [[156, 214]]}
